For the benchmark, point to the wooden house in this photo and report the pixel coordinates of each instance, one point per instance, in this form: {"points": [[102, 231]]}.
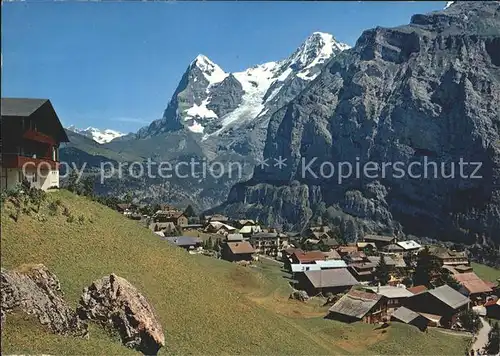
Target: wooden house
{"points": [[493, 308], [30, 138], [379, 240], [393, 296], [407, 316], [325, 281], [443, 301], [237, 251], [358, 305], [446, 257]]}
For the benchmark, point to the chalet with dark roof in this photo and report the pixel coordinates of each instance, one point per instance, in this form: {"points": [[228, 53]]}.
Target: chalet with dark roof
{"points": [[357, 305], [237, 251], [447, 257], [407, 316], [380, 240], [30, 138], [325, 281], [443, 301]]}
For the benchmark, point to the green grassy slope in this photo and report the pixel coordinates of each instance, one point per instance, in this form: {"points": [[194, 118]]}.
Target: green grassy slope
{"points": [[485, 272], [206, 306]]}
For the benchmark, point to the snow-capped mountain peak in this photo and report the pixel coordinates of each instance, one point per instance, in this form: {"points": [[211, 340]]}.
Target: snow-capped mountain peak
{"points": [[316, 49], [211, 71], [99, 136], [448, 4], [212, 102]]}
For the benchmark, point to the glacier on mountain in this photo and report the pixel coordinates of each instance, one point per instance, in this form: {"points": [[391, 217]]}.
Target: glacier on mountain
{"points": [[260, 84]]}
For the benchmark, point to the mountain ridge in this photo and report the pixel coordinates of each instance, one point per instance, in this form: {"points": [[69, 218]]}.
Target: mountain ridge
{"points": [[255, 82], [98, 135]]}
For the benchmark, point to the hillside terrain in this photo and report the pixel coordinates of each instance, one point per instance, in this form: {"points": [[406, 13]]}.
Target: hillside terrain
{"points": [[206, 306], [423, 95]]}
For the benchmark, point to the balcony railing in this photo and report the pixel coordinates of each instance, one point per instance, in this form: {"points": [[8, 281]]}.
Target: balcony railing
{"points": [[38, 137], [14, 160]]}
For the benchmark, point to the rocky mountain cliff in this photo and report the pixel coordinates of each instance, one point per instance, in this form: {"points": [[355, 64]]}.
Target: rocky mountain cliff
{"points": [[427, 91]]}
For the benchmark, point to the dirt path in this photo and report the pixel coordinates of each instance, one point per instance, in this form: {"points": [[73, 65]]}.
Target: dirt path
{"points": [[482, 336], [271, 259], [453, 332]]}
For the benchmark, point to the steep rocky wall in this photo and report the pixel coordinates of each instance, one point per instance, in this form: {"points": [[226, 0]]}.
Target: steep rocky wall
{"points": [[428, 91]]}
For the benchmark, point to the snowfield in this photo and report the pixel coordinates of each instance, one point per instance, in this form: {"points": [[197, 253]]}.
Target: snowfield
{"points": [[99, 136]]}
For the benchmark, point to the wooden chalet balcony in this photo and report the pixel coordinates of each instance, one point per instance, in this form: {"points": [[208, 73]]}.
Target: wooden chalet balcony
{"points": [[38, 137], [13, 160]]}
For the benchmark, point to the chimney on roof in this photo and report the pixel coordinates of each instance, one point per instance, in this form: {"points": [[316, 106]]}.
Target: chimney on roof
{"points": [[378, 287]]}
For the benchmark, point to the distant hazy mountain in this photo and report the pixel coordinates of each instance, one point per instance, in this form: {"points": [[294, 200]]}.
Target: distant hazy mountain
{"points": [[99, 136]]}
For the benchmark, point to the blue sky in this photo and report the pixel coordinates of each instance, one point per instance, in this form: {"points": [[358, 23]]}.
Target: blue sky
{"points": [[116, 64]]}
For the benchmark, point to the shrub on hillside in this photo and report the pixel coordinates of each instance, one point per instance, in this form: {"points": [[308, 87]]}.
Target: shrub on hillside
{"points": [[37, 197], [469, 320], [66, 211], [53, 208]]}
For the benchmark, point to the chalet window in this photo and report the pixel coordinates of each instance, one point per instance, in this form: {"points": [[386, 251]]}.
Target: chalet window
{"points": [[32, 125]]}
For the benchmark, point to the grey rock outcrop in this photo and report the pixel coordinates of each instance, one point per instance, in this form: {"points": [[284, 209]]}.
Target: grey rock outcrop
{"points": [[427, 91], [34, 290], [226, 96], [114, 303], [299, 295]]}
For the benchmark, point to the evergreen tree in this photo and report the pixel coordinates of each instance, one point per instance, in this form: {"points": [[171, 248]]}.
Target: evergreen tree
{"points": [[128, 198], [470, 320], [209, 243], [446, 278], [407, 281], [189, 212], [88, 186], [382, 271], [73, 181], [426, 268], [493, 345], [322, 247], [217, 245], [37, 197]]}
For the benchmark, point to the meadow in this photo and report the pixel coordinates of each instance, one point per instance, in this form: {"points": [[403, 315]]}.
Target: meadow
{"points": [[206, 306]]}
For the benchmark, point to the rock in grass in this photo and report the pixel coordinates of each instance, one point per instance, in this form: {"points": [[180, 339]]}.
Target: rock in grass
{"points": [[114, 303], [35, 290], [299, 295]]}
